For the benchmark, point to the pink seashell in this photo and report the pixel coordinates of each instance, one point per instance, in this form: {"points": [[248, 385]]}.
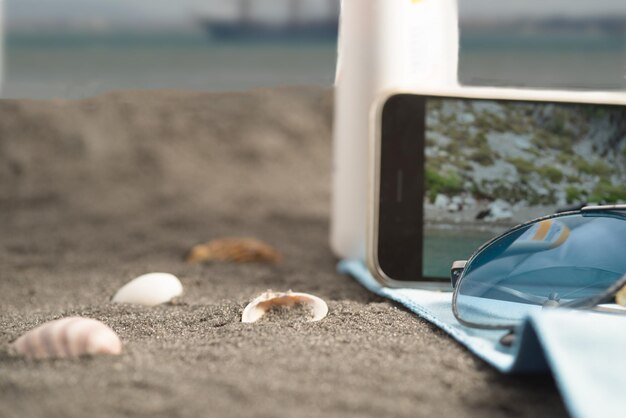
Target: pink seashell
{"points": [[68, 337]]}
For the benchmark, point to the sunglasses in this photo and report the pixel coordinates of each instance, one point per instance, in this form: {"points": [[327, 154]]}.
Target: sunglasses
{"points": [[572, 259]]}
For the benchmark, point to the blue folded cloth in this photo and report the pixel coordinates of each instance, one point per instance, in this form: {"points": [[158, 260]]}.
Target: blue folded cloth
{"points": [[584, 350]]}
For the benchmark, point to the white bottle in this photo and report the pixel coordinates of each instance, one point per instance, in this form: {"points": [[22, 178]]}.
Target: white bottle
{"points": [[2, 45], [383, 44]]}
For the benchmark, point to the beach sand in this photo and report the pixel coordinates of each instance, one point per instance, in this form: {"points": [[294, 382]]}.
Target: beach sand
{"points": [[98, 191]]}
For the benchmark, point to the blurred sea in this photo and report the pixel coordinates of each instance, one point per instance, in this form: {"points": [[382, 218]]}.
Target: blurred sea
{"points": [[80, 65], [74, 65]]}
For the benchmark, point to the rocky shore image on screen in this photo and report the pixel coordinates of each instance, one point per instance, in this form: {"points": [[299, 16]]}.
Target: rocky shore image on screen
{"points": [[507, 162]]}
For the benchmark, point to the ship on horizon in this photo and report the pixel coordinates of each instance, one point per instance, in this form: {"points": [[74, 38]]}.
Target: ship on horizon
{"points": [[247, 27]]}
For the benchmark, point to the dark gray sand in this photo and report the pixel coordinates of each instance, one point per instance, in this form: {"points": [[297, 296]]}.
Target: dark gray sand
{"points": [[96, 192]]}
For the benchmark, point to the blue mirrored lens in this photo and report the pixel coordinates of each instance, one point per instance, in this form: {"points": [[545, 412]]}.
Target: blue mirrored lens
{"points": [[563, 261]]}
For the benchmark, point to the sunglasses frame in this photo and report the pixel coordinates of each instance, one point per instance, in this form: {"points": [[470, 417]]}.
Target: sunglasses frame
{"points": [[457, 272]]}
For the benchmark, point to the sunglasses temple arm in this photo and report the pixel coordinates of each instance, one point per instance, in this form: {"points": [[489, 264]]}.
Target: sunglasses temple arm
{"points": [[456, 270]]}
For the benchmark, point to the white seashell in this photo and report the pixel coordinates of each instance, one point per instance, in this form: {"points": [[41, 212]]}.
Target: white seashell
{"points": [[260, 305], [150, 290], [68, 337]]}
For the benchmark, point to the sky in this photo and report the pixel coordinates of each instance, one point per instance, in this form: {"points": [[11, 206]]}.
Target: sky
{"points": [[181, 11]]}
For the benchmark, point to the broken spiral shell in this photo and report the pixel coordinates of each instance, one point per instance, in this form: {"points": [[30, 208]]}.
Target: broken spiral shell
{"points": [[268, 300]]}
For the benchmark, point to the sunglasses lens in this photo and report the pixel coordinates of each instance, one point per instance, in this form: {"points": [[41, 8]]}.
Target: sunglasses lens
{"points": [[565, 261]]}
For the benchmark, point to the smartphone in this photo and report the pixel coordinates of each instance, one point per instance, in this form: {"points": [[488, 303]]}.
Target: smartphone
{"points": [[452, 169]]}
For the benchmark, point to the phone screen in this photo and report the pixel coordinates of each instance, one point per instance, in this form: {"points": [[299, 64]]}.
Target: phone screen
{"points": [[493, 164], [456, 172]]}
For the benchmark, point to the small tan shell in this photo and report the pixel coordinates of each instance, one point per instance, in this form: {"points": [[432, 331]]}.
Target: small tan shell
{"points": [[68, 337], [261, 304], [238, 250], [620, 296]]}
